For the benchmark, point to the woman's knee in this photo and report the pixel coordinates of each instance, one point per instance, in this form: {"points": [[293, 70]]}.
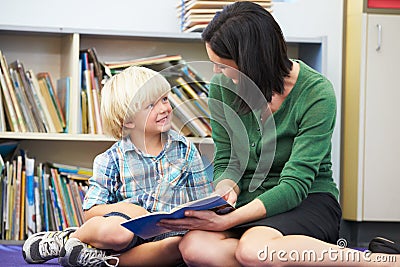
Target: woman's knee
{"points": [[195, 245], [253, 246], [190, 244]]}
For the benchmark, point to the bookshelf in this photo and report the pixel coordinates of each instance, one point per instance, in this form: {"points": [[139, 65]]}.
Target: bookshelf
{"points": [[56, 50]]}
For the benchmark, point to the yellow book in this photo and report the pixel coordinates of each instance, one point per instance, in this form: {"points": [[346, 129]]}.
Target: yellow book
{"points": [[9, 84], [84, 116], [23, 225], [50, 106]]}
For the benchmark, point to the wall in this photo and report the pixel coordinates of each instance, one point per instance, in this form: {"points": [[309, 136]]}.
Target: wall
{"points": [[308, 18], [120, 15]]}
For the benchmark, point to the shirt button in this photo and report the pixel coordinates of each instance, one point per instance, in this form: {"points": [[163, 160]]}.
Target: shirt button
{"points": [[253, 144], [159, 181]]}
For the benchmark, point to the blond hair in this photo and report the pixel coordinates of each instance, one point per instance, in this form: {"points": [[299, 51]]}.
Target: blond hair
{"points": [[124, 94]]}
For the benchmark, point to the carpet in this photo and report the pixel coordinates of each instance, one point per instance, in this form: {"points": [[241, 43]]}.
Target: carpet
{"points": [[11, 256]]}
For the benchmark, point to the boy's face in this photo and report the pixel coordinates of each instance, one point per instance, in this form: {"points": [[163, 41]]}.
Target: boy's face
{"points": [[154, 117]]}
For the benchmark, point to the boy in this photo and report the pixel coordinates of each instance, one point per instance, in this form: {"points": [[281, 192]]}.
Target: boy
{"points": [[151, 168]]}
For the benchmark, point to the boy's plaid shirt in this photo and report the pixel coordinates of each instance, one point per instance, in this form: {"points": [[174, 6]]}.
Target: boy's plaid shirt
{"points": [[156, 183]]}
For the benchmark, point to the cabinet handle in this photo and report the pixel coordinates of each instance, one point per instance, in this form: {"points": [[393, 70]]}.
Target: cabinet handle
{"points": [[379, 26]]}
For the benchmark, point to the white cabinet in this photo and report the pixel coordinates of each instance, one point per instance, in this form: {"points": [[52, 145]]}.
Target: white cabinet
{"points": [[371, 177], [382, 120]]}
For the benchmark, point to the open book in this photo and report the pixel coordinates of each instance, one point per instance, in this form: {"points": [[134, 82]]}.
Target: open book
{"points": [[146, 226]]}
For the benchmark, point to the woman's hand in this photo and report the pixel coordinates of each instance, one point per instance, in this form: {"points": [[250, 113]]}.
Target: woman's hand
{"points": [[210, 221], [198, 220], [228, 190]]}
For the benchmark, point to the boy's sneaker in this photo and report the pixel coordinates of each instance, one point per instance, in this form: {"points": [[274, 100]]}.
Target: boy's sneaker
{"points": [[44, 246], [76, 253]]}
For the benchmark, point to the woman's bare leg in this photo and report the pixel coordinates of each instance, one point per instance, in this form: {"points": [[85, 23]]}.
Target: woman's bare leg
{"points": [[201, 248], [259, 247]]}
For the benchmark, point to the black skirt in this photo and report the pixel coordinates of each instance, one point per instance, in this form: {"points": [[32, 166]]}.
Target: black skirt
{"points": [[318, 216]]}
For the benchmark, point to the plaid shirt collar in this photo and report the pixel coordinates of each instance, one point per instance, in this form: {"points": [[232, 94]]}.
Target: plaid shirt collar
{"points": [[170, 136]]}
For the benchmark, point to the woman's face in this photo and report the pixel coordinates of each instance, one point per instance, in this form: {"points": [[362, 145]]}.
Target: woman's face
{"points": [[225, 66]]}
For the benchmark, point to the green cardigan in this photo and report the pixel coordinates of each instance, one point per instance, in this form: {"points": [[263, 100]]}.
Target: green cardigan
{"points": [[283, 159]]}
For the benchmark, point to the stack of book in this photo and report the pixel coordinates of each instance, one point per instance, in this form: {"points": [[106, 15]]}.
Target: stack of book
{"points": [[188, 96], [31, 102], [194, 15], [46, 198], [91, 73], [34, 103]]}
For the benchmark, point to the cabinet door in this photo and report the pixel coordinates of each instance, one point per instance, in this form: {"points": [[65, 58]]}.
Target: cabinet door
{"points": [[382, 119]]}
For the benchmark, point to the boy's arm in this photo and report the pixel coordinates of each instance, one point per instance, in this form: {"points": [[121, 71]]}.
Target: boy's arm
{"points": [[101, 193], [199, 184]]}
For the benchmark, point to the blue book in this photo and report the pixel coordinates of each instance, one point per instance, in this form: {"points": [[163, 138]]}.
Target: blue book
{"points": [[146, 226], [45, 190]]}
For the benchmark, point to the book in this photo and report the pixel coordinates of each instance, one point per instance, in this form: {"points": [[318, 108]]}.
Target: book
{"points": [[196, 14], [30, 195], [187, 117], [25, 85], [47, 81], [55, 120], [146, 226], [40, 102], [97, 70], [142, 61], [63, 94], [25, 106], [7, 105], [3, 127], [9, 84]]}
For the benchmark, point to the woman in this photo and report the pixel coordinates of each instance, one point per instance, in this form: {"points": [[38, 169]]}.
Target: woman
{"points": [[287, 201]]}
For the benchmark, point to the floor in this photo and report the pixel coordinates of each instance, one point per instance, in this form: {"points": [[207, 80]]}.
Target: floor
{"points": [[11, 256]]}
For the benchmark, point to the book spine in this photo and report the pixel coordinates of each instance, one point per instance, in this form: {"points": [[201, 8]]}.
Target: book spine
{"points": [[6, 73], [27, 92], [30, 194], [59, 198], [17, 200], [70, 203], [90, 104], [9, 107], [50, 86], [22, 228], [58, 219], [50, 106], [38, 205], [40, 102], [26, 112]]}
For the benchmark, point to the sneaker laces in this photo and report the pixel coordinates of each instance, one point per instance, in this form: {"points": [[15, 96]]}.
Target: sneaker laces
{"points": [[96, 258], [51, 246]]}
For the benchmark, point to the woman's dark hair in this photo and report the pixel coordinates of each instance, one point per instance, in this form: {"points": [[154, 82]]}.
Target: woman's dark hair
{"points": [[247, 33]]}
